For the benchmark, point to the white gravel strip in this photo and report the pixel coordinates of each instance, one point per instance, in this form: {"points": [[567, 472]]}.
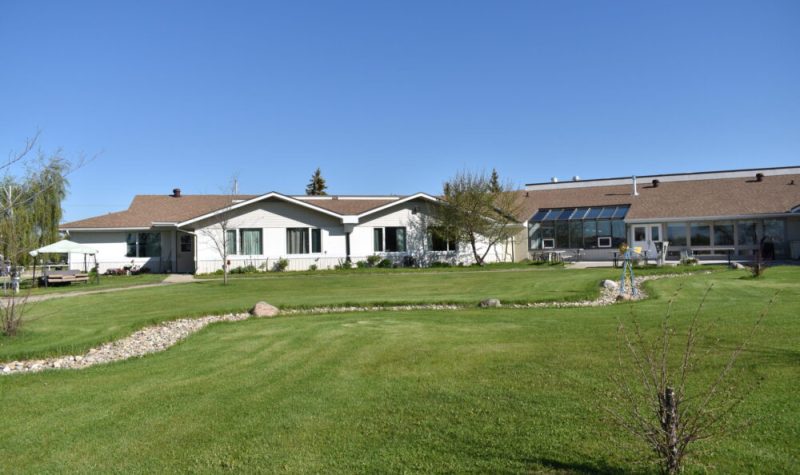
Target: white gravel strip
{"points": [[160, 337]]}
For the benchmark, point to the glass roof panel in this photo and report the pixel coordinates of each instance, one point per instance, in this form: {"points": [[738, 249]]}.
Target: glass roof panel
{"points": [[539, 215], [579, 213], [593, 213], [565, 214], [621, 211], [608, 211], [552, 214]]}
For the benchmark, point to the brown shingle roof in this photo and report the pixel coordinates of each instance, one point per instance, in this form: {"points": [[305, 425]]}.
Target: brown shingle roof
{"points": [[349, 206], [677, 199], [145, 210]]}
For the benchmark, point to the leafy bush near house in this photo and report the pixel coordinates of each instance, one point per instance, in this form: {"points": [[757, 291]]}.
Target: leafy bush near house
{"points": [[373, 260], [440, 264], [312, 267], [362, 264], [385, 264], [343, 265], [281, 265], [248, 269]]}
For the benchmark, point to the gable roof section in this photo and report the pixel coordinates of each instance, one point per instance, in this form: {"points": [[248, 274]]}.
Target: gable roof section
{"points": [[146, 211], [677, 199]]}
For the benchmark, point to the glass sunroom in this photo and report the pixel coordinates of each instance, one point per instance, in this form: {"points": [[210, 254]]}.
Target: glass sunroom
{"points": [[588, 228]]}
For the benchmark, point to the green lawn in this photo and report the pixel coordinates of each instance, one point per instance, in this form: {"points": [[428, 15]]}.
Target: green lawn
{"points": [[68, 326], [493, 390], [106, 282]]}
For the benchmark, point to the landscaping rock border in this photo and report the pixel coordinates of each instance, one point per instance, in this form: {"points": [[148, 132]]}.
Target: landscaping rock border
{"points": [[160, 337]]}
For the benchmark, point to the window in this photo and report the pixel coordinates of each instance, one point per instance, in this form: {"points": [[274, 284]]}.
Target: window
{"points": [[747, 233], [723, 234], [676, 234], [618, 232], [562, 234], [230, 242], [378, 239], [590, 234], [577, 227], [303, 240], [316, 240], [575, 234], [548, 243], [655, 233], [639, 233], [395, 239], [144, 245], [251, 242], [440, 241], [603, 242], [701, 234], [186, 242]]}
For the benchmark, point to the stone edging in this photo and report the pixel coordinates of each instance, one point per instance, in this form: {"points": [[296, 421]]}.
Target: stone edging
{"points": [[162, 336]]}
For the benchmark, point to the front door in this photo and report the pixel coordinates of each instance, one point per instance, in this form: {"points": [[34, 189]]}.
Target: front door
{"points": [[185, 253], [645, 236]]}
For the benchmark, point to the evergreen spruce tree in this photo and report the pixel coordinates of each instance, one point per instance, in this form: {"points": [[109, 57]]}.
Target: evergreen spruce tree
{"points": [[494, 182], [317, 186]]}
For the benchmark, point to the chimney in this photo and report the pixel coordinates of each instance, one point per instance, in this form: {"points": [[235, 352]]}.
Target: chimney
{"points": [[576, 178], [176, 192], [635, 191], [554, 180], [655, 183], [759, 177]]}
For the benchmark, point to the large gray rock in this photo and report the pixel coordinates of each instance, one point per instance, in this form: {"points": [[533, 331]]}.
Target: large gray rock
{"points": [[490, 303], [263, 309], [609, 285]]}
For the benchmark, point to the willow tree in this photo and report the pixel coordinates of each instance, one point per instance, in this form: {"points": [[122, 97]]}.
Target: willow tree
{"points": [[30, 210]]}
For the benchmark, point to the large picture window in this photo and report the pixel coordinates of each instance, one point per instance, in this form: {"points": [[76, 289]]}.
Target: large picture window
{"points": [[395, 239], [303, 240], [723, 234], [746, 231], [701, 234], [676, 234], [251, 242], [377, 236], [143, 245], [441, 241]]}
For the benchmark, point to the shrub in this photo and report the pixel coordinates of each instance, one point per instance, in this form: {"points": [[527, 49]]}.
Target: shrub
{"points": [[343, 265], [248, 269], [362, 264], [385, 264], [312, 267], [440, 264], [281, 265], [373, 260]]}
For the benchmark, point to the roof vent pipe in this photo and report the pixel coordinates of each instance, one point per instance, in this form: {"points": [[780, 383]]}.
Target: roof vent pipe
{"points": [[655, 183], [576, 178], [176, 192], [635, 191], [554, 180], [759, 177]]}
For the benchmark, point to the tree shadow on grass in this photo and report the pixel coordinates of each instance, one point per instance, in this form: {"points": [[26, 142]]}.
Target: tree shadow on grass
{"points": [[595, 466]]}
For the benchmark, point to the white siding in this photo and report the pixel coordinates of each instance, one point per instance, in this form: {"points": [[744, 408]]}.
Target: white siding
{"points": [[112, 249]]}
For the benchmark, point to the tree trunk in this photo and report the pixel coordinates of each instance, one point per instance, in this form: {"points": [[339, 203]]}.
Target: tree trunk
{"points": [[478, 259], [670, 427]]}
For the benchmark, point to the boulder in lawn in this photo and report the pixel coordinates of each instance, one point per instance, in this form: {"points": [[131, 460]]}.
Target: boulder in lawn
{"points": [[490, 303], [609, 285], [263, 309]]}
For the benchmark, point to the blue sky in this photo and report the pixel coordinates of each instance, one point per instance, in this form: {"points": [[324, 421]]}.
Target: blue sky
{"points": [[394, 97]]}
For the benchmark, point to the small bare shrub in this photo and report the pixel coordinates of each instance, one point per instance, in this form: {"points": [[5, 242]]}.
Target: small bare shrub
{"points": [[652, 400]]}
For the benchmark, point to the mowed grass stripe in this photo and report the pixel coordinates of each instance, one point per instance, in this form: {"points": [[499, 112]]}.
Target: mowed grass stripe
{"points": [[73, 325]]}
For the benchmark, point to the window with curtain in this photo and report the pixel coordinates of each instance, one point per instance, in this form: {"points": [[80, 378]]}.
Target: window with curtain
{"points": [[395, 239], [377, 236], [297, 241], [251, 242], [143, 245], [230, 242]]}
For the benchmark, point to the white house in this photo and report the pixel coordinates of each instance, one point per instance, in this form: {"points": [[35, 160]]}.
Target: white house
{"points": [[181, 233]]}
